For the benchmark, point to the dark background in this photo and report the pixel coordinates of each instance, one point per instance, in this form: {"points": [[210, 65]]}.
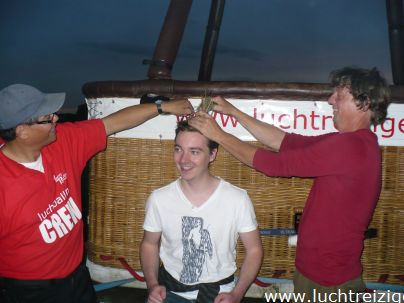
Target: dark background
{"points": [[60, 45]]}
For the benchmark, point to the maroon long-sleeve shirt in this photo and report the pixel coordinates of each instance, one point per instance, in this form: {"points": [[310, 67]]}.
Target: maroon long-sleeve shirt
{"points": [[346, 168]]}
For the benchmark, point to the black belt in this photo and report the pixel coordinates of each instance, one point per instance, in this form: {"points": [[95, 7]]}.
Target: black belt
{"points": [[207, 291], [42, 283]]}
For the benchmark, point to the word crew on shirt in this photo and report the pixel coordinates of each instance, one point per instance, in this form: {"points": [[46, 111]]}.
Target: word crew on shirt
{"points": [[59, 223]]}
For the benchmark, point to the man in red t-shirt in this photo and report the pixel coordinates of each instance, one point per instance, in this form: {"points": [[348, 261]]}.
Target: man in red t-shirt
{"points": [[346, 167], [41, 162]]}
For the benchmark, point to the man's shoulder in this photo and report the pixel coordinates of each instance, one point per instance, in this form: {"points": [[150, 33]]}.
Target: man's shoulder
{"points": [[68, 132], [9, 169], [232, 189], [164, 190], [362, 138], [164, 196], [87, 124]]}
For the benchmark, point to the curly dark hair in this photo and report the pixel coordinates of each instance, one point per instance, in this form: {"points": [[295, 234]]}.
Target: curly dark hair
{"points": [[183, 126], [369, 89]]}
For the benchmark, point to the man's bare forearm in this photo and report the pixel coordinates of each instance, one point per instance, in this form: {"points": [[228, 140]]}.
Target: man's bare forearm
{"points": [[243, 151], [149, 260], [251, 264], [265, 133]]}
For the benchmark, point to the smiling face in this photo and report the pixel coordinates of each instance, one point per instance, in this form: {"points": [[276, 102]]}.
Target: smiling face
{"points": [[192, 155], [347, 116]]}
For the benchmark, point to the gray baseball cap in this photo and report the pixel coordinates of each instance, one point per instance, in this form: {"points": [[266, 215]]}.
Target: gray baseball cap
{"points": [[20, 102]]}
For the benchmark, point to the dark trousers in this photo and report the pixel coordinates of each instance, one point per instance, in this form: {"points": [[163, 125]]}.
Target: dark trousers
{"points": [[315, 292], [174, 298], [75, 288], [207, 292]]}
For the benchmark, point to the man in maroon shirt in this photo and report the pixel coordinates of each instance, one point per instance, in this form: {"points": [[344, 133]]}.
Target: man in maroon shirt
{"points": [[346, 167]]}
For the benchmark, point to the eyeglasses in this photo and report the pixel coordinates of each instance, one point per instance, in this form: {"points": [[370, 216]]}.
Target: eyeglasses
{"points": [[50, 120]]}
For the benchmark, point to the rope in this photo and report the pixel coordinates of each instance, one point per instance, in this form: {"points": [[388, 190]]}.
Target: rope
{"points": [[275, 279], [125, 265]]}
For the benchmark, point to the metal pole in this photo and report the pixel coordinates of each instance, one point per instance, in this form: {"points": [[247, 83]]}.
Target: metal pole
{"points": [[395, 19], [211, 37], [169, 40]]}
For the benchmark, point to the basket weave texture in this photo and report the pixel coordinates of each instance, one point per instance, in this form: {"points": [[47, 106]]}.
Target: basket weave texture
{"points": [[122, 177]]}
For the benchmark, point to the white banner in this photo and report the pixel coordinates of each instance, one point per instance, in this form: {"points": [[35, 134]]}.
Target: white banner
{"points": [[302, 117]]}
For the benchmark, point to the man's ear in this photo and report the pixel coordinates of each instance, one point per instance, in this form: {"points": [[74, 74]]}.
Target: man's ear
{"points": [[213, 155], [364, 102], [21, 131]]}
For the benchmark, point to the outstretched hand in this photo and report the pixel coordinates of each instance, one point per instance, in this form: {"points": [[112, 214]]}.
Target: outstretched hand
{"points": [[221, 105], [206, 125], [178, 107]]}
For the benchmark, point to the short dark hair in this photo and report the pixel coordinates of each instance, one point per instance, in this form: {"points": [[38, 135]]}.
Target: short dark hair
{"points": [[8, 134], [369, 89], [183, 126]]}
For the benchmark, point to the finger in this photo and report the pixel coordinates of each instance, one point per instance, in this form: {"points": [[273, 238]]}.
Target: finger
{"points": [[218, 299], [152, 299], [202, 114], [163, 293], [193, 121], [158, 299], [196, 115], [190, 106], [217, 98]]}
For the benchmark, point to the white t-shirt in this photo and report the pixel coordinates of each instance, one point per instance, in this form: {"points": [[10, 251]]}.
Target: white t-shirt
{"points": [[36, 165], [198, 244]]}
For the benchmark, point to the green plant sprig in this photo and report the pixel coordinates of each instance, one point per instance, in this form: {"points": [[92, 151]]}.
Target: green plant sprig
{"points": [[206, 104]]}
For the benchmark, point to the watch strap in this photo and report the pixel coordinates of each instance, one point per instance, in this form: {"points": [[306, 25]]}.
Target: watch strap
{"points": [[159, 109]]}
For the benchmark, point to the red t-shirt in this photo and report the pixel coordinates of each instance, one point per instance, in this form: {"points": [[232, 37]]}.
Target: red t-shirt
{"points": [[41, 227], [346, 168]]}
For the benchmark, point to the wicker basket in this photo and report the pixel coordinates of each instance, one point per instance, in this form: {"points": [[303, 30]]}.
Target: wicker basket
{"points": [[122, 177]]}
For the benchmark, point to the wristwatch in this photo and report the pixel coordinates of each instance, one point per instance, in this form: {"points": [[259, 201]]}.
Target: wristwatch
{"points": [[158, 104]]}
